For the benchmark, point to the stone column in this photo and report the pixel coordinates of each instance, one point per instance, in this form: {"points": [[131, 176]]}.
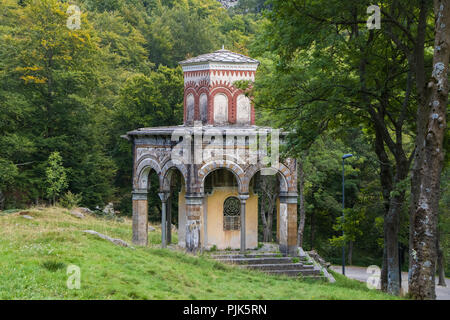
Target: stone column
{"points": [[243, 198], [194, 204], [164, 196], [288, 223], [140, 217], [169, 219]]}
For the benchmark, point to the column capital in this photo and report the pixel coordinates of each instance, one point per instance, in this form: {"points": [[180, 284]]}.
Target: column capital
{"points": [[164, 196], [243, 197], [289, 197], [139, 194], [194, 198]]}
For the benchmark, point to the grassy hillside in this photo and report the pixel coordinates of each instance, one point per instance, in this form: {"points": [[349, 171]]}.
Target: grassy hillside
{"points": [[34, 255]]}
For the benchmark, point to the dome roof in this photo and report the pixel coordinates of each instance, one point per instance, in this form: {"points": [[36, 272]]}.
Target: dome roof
{"points": [[224, 56]]}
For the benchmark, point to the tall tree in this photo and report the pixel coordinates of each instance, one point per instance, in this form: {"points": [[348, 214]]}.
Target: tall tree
{"points": [[49, 84], [429, 159], [56, 177], [337, 73]]}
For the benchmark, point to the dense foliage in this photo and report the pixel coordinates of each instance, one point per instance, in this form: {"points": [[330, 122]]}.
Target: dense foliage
{"points": [[75, 92]]}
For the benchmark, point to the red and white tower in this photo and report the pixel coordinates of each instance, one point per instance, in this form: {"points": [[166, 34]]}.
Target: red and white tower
{"points": [[209, 93]]}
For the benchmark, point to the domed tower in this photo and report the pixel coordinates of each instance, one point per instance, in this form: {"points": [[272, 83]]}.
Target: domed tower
{"points": [[210, 95]]}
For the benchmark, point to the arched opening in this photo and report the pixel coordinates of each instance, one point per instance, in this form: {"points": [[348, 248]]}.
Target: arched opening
{"points": [[222, 212], [267, 187], [154, 202], [174, 185], [161, 203], [146, 205]]}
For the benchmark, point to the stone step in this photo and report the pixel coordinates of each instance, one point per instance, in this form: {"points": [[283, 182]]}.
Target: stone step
{"points": [[294, 273], [269, 260], [278, 266], [249, 255]]}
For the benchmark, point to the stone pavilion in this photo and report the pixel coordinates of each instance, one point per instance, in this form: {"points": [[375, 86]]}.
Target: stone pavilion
{"points": [[218, 154]]}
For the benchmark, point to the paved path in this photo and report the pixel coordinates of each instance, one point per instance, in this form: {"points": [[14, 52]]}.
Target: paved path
{"points": [[359, 273]]}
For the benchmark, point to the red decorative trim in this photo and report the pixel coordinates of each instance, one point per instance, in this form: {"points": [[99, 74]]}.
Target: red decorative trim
{"points": [[211, 88]]}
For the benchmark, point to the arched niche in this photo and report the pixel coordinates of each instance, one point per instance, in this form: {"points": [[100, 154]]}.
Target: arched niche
{"points": [[190, 105], [203, 107], [243, 110], [220, 108]]}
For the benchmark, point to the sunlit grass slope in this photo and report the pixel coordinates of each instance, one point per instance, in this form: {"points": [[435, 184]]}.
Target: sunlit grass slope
{"points": [[34, 255]]}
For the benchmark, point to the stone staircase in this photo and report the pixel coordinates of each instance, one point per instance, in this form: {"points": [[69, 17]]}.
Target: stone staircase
{"points": [[271, 263]]}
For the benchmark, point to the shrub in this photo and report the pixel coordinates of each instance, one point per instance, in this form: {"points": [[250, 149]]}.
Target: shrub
{"points": [[70, 200]]}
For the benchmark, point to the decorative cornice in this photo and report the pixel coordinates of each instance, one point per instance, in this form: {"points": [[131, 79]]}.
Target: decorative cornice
{"points": [[220, 66]]}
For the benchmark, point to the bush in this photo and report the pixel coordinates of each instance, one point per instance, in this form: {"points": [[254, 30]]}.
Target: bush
{"points": [[70, 200]]}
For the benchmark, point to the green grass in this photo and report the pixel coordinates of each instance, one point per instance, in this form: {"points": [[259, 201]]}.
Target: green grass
{"points": [[35, 254]]}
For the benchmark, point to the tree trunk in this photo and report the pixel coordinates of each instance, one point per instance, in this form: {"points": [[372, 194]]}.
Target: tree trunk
{"points": [[440, 264], [272, 206], [269, 196], [2, 200], [312, 230], [441, 269], [269, 227], [386, 185], [384, 273], [263, 218], [350, 253], [425, 181], [391, 225], [301, 225]]}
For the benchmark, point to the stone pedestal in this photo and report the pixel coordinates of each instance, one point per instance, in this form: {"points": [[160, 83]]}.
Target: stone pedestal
{"points": [[243, 198], [164, 196], [140, 218], [288, 223], [194, 210]]}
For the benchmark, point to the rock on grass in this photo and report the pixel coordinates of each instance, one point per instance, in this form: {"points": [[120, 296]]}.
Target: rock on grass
{"points": [[118, 242], [77, 213]]}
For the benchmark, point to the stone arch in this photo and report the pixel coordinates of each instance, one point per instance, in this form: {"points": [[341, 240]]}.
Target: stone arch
{"points": [[142, 171], [281, 171], [167, 172], [209, 167]]}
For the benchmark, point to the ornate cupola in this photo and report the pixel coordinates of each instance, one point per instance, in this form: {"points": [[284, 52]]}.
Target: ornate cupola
{"points": [[209, 93]]}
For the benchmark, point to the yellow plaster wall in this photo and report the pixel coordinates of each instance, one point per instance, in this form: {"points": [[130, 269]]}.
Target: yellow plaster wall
{"points": [[230, 239]]}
